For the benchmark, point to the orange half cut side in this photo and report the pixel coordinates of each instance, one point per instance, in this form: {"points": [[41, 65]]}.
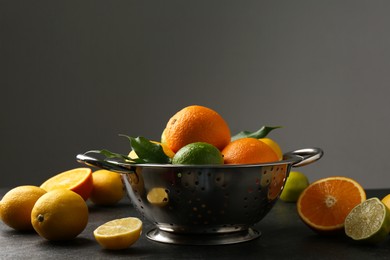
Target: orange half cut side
{"points": [[78, 180], [325, 203]]}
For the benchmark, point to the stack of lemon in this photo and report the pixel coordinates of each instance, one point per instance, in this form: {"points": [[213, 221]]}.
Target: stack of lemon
{"points": [[57, 210]]}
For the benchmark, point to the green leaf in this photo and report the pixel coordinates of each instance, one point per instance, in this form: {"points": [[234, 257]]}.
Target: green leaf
{"points": [[261, 133], [110, 154], [147, 151]]}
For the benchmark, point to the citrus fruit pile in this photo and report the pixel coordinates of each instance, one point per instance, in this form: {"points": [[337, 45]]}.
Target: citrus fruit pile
{"points": [[325, 203], [199, 135], [58, 209], [338, 205]]}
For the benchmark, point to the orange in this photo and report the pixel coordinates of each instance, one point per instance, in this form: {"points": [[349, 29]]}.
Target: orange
{"points": [[108, 188], [247, 151], [78, 180], [16, 206], [59, 214], [325, 203], [196, 124]]}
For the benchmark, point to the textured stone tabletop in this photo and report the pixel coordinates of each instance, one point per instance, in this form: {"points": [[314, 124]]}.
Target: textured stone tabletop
{"points": [[284, 236]]}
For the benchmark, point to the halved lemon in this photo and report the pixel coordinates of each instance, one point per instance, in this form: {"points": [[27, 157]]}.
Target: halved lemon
{"points": [[118, 233], [158, 197]]}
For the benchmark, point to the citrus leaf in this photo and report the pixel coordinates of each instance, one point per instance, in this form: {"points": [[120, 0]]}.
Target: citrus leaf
{"points": [[109, 154], [147, 151], [261, 133]]}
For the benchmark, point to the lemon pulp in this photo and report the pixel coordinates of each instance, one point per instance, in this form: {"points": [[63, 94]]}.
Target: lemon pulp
{"points": [[119, 233]]}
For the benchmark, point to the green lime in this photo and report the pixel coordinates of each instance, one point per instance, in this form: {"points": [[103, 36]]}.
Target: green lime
{"points": [[369, 221], [198, 153], [295, 184]]}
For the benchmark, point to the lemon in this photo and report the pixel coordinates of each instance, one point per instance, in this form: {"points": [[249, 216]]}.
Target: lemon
{"points": [[274, 145], [158, 197], [198, 153], [107, 189], [132, 155], [163, 139], [119, 233], [295, 184], [369, 221], [16, 206], [59, 215], [386, 200]]}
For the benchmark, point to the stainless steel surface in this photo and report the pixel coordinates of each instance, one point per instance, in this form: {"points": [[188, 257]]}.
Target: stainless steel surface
{"points": [[219, 202], [159, 235]]}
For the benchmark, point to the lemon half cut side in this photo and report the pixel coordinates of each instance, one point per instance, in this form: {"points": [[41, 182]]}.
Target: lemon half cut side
{"points": [[118, 233]]}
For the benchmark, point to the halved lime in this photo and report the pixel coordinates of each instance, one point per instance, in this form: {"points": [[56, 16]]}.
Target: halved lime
{"points": [[369, 221]]}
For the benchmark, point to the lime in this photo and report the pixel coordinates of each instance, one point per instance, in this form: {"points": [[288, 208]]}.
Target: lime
{"points": [[369, 221], [295, 184], [198, 153]]}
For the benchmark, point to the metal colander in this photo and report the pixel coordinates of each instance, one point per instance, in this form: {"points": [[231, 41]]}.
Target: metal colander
{"points": [[205, 204]]}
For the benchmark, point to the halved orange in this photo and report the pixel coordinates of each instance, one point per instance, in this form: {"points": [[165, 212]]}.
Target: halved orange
{"points": [[325, 203], [78, 180]]}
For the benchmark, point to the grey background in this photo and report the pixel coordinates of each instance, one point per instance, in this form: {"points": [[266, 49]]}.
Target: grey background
{"points": [[75, 74]]}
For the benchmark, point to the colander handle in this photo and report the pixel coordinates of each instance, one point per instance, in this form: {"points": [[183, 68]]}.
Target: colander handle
{"points": [[306, 155], [103, 163]]}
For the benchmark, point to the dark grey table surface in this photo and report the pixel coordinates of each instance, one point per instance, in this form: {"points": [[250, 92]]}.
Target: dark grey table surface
{"points": [[284, 236]]}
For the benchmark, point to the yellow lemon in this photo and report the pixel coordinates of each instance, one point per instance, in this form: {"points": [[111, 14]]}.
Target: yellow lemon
{"points": [[16, 206], [158, 197], [163, 139], [295, 184], [108, 188], [59, 215], [386, 200], [119, 233], [274, 145]]}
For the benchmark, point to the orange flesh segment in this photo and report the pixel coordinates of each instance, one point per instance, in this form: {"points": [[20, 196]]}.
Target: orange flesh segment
{"points": [[78, 180], [326, 204]]}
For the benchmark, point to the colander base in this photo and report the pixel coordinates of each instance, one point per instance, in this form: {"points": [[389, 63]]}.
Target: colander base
{"points": [[202, 239]]}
